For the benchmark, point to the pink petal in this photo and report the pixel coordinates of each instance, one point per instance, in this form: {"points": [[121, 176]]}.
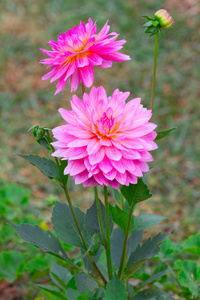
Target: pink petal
{"points": [[75, 80], [86, 75]]}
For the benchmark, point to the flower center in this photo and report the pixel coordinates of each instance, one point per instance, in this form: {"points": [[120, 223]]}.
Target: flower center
{"points": [[104, 125]]}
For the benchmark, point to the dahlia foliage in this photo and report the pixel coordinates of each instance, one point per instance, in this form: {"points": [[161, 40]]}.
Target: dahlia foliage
{"points": [[78, 50], [106, 140]]}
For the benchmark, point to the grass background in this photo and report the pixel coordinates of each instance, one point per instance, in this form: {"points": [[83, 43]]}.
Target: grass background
{"points": [[26, 100]]}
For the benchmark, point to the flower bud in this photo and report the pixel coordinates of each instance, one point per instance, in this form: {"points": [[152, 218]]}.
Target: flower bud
{"points": [[164, 18]]}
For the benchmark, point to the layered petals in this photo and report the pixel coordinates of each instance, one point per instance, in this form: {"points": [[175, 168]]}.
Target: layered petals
{"points": [[106, 140], [78, 50]]}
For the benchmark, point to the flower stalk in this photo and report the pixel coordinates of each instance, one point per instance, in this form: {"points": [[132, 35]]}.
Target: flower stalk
{"points": [[100, 217], [108, 249], [123, 256], [154, 69]]}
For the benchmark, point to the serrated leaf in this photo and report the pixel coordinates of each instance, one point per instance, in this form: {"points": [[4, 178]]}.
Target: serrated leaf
{"points": [[152, 295], [144, 221], [85, 283], [189, 275], [154, 277], [45, 240], [148, 250], [60, 275], [92, 220], [136, 192], [115, 289], [65, 226], [117, 240], [120, 217], [162, 134], [52, 290], [47, 166], [192, 244]]}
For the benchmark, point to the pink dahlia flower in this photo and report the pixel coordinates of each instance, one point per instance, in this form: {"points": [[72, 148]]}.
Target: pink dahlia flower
{"points": [[78, 50], [106, 140]]}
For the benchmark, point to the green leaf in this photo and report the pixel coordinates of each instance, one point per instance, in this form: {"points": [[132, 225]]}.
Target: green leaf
{"points": [[148, 18], [117, 240], [117, 196], [60, 275], [15, 194], [92, 220], [192, 244], [85, 283], [93, 248], [144, 221], [115, 289], [120, 217], [45, 240], [136, 192], [152, 295], [53, 290], [65, 226], [47, 166], [189, 275], [162, 134], [12, 265], [148, 250], [154, 277]]}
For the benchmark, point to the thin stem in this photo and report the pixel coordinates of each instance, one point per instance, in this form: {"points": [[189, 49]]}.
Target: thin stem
{"points": [[154, 69], [123, 257], [77, 223], [108, 249], [83, 88], [80, 232], [122, 200], [100, 217]]}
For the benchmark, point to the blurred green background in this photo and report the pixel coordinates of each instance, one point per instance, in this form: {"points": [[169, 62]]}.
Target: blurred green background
{"points": [[26, 100]]}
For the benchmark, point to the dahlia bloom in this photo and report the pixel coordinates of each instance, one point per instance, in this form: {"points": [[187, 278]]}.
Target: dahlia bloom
{"points": [[106, 140], [78, 50]]}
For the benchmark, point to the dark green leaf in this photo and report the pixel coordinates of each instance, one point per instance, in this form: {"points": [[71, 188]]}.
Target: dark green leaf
{"points": [[154, 277], [120, 217], [136, 192], [192, 244], [12, 265], [72, 291], [115, 289], [117, 196], [133, 241], [152, 295], [162, 134], [45, 240], [60, 275], [189, 275], [47, 166], [93, 247], [92, 220], [148, 250], [85, 283], [144, 221], [117, 239], [53, 290], [65, 226]]}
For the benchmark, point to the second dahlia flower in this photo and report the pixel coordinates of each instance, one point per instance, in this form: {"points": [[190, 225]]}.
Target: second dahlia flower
{"points": [[106, 140], [78, 50]]}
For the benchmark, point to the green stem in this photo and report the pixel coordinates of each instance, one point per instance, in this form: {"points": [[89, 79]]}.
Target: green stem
{"points": [[80, 232], [122, 200], [77, 223], [108, 249], [100, 217], [83, 88], [123, 257], [154, 69]]}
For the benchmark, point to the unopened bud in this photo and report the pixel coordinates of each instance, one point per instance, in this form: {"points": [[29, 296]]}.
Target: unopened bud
{"points": [[164, 18]]}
